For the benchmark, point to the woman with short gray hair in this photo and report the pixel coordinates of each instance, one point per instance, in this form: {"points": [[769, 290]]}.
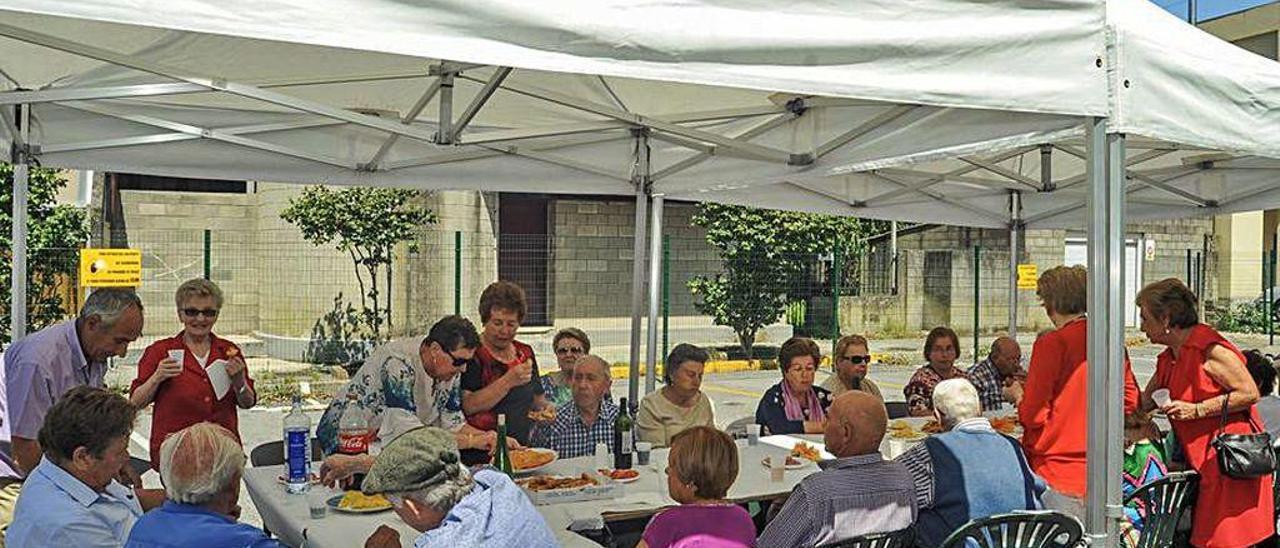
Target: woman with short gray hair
{"points": [[203, 464], [680, 404]]}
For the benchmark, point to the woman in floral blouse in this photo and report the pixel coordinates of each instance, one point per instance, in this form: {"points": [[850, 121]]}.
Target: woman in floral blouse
{"points": [[941, 348]]}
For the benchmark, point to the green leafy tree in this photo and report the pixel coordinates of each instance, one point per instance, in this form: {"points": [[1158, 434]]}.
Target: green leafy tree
{"points": [[367, 224], [55, 234], [767, 257]]}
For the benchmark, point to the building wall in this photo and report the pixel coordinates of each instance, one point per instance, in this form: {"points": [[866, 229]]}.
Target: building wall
{"points": [[430, 270]]}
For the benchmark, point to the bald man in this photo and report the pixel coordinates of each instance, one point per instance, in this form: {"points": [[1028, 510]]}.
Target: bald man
{"points": [[577, 428], [1002, 368], [859, 493]]}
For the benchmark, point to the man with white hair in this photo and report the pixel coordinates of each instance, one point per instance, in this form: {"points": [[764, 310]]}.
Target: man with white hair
{"points": [[968, 472], [200, 466], [579, 427]]}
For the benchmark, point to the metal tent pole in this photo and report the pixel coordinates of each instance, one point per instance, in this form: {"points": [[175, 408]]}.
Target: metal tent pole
{"points": [[1015, 227], [655, 293], [21, 176], [1114, 397], [640, 178]]}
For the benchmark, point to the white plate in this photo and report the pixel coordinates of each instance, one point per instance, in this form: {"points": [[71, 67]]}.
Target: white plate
{"points": [[555, 457], [605, 474], [336, 499], [765, 461]]}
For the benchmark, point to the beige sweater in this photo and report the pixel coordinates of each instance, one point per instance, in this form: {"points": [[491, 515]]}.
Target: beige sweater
{"points": [[833, 385], [659, 420]]}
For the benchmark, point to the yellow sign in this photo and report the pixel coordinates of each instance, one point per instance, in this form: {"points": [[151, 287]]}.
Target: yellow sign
{"points": [[110, 267], [1027, 276]]}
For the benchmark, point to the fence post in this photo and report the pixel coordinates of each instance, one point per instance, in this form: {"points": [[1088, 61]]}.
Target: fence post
{"points": [[457, 272], [837, 275], [1271, 295], [977, 298], [1190, 282], [666, 293], [208, 262]]}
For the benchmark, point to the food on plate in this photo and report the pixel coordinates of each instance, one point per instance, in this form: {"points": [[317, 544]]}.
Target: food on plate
{"points": [[791, 461], [547, 483], [543, 415], [932, 427], [1006, 425], [619, 474], [525, 459], [355, 500], [805, 451], [900, 429]]}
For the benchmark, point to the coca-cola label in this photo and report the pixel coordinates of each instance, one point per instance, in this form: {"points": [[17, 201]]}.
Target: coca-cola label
{"points": [[353, 443]]}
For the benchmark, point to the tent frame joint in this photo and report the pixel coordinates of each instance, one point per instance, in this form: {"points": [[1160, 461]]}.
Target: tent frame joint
{"points": [[800, 159]]}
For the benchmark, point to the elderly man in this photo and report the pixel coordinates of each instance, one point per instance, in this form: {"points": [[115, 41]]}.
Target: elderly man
{"points": [[200, 466], [71, 498], [970, 471], [420, 474], [1001, 368], [41, 367], [579, 427], [859, 493]]}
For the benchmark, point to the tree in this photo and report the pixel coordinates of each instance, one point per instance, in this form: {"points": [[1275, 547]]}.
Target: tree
{"points": [[765, 255], [55, 234], [367, 224]]}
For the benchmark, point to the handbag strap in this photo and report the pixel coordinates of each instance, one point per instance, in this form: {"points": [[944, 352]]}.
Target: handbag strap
{"points": [[1222, 423]]}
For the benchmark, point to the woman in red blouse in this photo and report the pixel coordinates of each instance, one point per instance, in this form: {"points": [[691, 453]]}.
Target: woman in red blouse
{"points": [[1053, 402], [182, 390], [1202, 371]]}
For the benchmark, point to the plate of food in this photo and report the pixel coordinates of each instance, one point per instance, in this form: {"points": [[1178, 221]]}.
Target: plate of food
{"points": [[903, 430], [1007, 425], [803, 450], [546, 414], [620, 476], [531, 459], [551, 483], [355, 502], [791, 464]]}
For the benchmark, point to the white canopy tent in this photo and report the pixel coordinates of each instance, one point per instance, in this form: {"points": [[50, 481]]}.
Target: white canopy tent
{"points": [[995, 114]]}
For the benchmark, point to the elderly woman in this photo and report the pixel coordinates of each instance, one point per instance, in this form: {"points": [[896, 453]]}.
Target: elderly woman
{"points": [[1263, 371], [941, 348], [183, 387], [505, 378], [680, 404], [570, 344], [1055, 395], [701, 467], [203, 464], [851, 360], [1206, 378], [431, 491], [795, 405]]}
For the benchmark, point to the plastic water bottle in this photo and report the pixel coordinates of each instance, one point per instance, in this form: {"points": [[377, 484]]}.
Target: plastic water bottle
{"points": [[297, 448]]}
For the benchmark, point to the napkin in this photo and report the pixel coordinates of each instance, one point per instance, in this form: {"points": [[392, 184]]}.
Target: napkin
{"points": [[217, 372]]}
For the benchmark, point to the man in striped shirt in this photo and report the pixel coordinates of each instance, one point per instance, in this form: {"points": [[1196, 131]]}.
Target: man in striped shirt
{"points": [[857, 494]]}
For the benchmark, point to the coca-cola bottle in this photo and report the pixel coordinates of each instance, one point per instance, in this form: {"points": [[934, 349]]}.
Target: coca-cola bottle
{"points": [[353, 435]]}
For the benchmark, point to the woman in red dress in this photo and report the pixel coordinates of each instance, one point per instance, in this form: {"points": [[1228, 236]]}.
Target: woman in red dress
{"points": [[181, 388], [1202, 370]]}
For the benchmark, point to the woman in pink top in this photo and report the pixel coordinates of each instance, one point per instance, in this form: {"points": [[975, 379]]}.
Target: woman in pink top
{"points": [[701, 466]]}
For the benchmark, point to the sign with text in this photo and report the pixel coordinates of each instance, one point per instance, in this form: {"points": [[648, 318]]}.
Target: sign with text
{"points": [[110, 267], [1027, 276]]}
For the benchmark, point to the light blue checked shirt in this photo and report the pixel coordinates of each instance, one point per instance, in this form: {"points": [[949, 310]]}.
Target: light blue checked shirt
{"points": [[496, 513], [570, 437]]}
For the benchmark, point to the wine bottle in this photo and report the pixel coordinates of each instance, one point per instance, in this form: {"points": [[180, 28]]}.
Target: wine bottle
{"points": [[501, 458], [623, 437]]}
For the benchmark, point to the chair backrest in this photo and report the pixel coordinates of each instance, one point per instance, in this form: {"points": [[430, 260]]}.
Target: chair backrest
{"points": [[897, 409], [1162, 504], [902, 538], [738, 428], [1029, 529], [272, 453]]}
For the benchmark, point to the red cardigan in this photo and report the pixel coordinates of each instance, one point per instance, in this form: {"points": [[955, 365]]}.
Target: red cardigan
{"points": [[1055, 404]]}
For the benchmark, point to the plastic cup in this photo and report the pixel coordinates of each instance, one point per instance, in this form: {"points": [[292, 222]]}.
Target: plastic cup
{"points": [[318, 501], [642, 452], [177, 355], [1161, 397], [753, 434], [602, 456], [777, 467]]}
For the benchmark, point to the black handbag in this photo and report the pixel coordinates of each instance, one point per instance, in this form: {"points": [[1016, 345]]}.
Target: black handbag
{"points": [[1243, 456]]}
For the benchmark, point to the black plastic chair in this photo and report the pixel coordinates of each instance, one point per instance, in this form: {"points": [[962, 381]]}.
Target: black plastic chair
{"points": [[139, 466], [902, 538], [1162, 504], [272, 453], [897, 409], [1031, 529]]}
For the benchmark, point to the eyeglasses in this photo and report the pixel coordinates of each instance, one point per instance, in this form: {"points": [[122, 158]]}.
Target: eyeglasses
{"points": [[570, 350], [206, 312], [856, 360], [458, 362]]}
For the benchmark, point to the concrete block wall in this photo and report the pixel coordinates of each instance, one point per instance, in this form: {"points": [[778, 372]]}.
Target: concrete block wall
{"points": [[430, 271]]}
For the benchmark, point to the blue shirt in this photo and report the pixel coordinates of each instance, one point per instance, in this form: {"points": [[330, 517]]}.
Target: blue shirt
{"points": [[56, 509], [570, 436], [177, 525], [495, 513]]}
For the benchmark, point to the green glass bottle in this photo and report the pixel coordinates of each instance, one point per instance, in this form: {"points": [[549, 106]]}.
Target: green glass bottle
{"points": [[502, 459], [623, 437]]}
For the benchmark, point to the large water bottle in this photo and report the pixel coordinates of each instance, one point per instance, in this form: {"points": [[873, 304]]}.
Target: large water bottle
{"points": [[297, 448]]}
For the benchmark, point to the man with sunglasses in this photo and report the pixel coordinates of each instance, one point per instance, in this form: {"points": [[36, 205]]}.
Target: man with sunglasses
{"points": [[851, 360], [418, 377]]}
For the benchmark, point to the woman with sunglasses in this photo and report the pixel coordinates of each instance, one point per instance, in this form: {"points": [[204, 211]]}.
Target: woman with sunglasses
{"points": [[851, 360], [181, 388], [418, 376], [570, 344]]}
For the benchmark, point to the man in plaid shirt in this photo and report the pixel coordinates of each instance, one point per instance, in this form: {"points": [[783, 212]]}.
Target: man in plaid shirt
{"points": [[577, 428], [1002, 366]]}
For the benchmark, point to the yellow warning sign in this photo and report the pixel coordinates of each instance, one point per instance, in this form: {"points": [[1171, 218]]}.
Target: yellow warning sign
{"points": [[110, 267], [1027, 276]]}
